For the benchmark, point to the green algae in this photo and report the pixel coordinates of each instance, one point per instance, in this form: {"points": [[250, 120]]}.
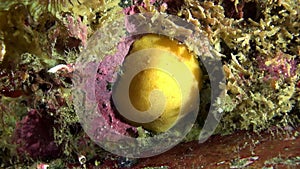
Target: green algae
{"points": [[251, 103], [292, 162]]}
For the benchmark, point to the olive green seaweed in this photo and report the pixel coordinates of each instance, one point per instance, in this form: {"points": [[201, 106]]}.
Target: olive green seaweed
{"points": [[251, 102]]}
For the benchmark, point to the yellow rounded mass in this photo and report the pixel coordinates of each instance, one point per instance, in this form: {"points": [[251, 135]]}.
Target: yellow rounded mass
{"points": [[146, 81]]}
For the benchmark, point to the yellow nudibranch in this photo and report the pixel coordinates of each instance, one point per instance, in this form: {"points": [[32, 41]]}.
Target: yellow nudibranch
{"points": [[147, 80]]}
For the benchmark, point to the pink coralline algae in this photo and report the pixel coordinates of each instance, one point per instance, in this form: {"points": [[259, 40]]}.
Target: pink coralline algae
{"points": [[133, 8], [107, 75], [70, 34], [34, 137], [77, 29], [278, 67]]}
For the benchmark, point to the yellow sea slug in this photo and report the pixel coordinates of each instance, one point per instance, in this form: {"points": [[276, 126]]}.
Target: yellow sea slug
{"points": [[146, 81]]}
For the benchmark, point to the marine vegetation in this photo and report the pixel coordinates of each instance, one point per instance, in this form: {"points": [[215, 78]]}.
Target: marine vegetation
{"points": [[258, 42]]}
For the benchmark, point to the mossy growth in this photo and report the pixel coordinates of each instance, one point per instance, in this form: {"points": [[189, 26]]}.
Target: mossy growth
{"points": [[289, 162], [34, 37], [257, 95]]}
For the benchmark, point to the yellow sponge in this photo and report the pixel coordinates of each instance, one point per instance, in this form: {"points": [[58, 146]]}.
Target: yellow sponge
{"points": [[146, 81]]}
